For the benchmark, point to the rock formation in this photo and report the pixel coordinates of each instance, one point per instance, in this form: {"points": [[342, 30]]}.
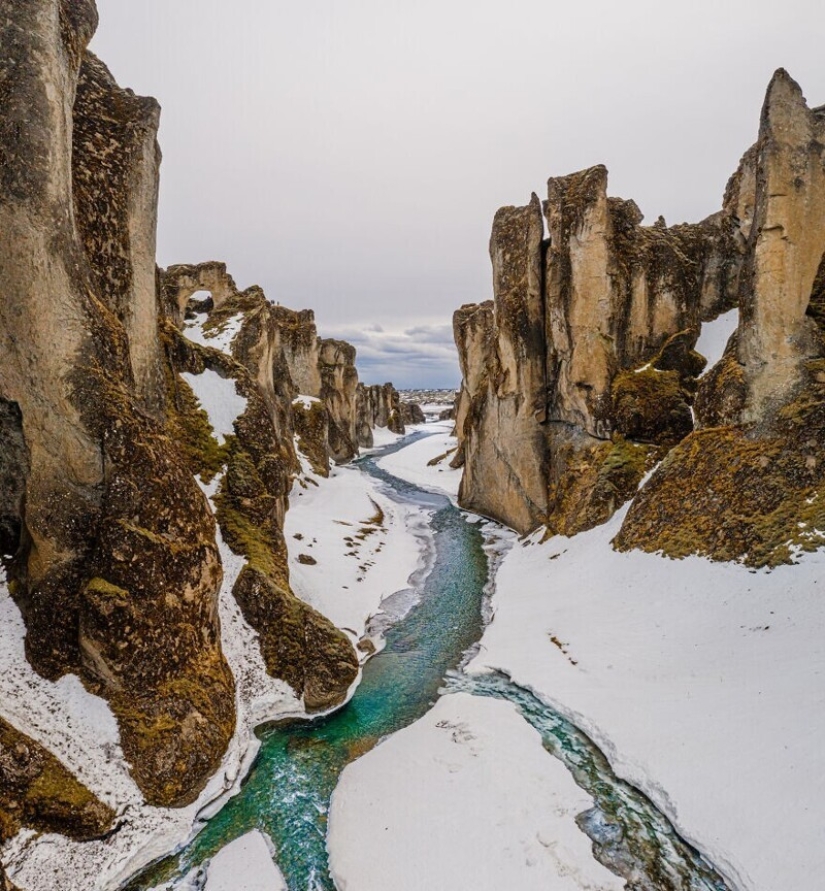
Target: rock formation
{"points": [[580, 375], [412, 413], [758, 450], [108, 541], [378, 405], [82, 393], [37, 792]]}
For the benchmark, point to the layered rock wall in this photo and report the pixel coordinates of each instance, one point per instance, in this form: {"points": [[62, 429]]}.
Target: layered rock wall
{"points": [[582, 374], [104, 490], [378, 405]]}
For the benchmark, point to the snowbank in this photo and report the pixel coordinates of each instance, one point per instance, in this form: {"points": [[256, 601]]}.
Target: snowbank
{"points": [[365, 546], [412, 462], [704, 683], [245, 865], [464, 798], [219, 399]]}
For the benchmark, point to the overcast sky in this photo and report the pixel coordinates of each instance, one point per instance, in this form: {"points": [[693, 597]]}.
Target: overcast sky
{"points": [[349, 155]]}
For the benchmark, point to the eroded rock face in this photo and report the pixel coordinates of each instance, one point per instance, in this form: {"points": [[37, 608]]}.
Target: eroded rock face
{"points": [[757, 453], [579, 378], [339, 386], [258, 467], [549, 368], [378, 405], [115, 168], [79, 385], [412, 413], [38, 792], [785, 251]]}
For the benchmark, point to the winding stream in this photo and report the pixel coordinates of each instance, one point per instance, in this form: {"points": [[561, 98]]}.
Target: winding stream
{"points": [[288, 791]]}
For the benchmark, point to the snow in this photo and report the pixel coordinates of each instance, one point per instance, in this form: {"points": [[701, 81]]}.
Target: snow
{"points": [[81, 730], [218, 338], [704, 684], [219, 399], [306, 401], [382, 436], [245, 865], [466, 797], [412, 463], [367, 546], [715, 335]]}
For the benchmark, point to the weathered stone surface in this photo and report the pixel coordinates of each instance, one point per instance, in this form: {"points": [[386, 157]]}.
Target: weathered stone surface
{"points": [[339, 386], [787, 243], [757, 453], [38, 792], [179, 283], [502, 404], [580, 344], [102, 483], [733, 493], [378, 405], [253, 495], [115, 167], [412, 413]]}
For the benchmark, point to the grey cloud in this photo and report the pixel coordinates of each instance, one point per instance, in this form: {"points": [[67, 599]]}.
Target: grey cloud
{"points": [[349, 155]]}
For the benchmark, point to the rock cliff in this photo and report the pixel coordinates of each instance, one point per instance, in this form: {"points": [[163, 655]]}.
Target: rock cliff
{"points": [[378, 405], [581, 374], [109, 543]]}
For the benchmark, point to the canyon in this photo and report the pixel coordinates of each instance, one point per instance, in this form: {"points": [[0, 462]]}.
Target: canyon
{"points": [[581, 375], [188, 544]]}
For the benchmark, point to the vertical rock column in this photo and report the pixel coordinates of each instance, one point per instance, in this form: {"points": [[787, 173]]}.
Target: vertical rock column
{"points": [[787, 245], [45, 312]]}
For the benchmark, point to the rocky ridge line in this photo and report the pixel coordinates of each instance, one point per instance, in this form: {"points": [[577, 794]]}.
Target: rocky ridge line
{"points": [[581, 375], [108, 540]]}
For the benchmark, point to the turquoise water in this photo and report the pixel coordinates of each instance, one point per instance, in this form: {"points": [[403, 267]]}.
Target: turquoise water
{"points": [[288, 791]]}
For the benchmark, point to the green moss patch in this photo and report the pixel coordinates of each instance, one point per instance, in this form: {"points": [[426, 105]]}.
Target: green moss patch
{"points": [[753, 496], [38, 792]]}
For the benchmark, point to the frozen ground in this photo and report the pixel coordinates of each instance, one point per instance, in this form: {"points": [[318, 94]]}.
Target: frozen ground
{"points": [[245, 865], [411, 463], [704, 683], [464, 798], [350, 545]]}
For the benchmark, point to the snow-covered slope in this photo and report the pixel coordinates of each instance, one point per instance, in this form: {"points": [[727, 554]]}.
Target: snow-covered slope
{"points": [[465, 798], [703, 682]]}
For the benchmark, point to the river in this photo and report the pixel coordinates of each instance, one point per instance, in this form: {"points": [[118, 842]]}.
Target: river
{"points": [[287, 793]]}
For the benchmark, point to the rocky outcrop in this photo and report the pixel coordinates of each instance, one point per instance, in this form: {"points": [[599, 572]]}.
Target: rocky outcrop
{"points": [[339, 387], [37, 792], [115, 170], [83, 397], [378, 405], [582, 373], [258, 466], [108, 540], [412, 413], [758, 450]]}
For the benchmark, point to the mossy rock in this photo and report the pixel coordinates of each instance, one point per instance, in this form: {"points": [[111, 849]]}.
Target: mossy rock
{"points": [[312, 429], [653, 403], [38, 792], [178, 730], [299, 645], [755, 496], [147, 619], [651, 406], [722, 392], [598, 479]]}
